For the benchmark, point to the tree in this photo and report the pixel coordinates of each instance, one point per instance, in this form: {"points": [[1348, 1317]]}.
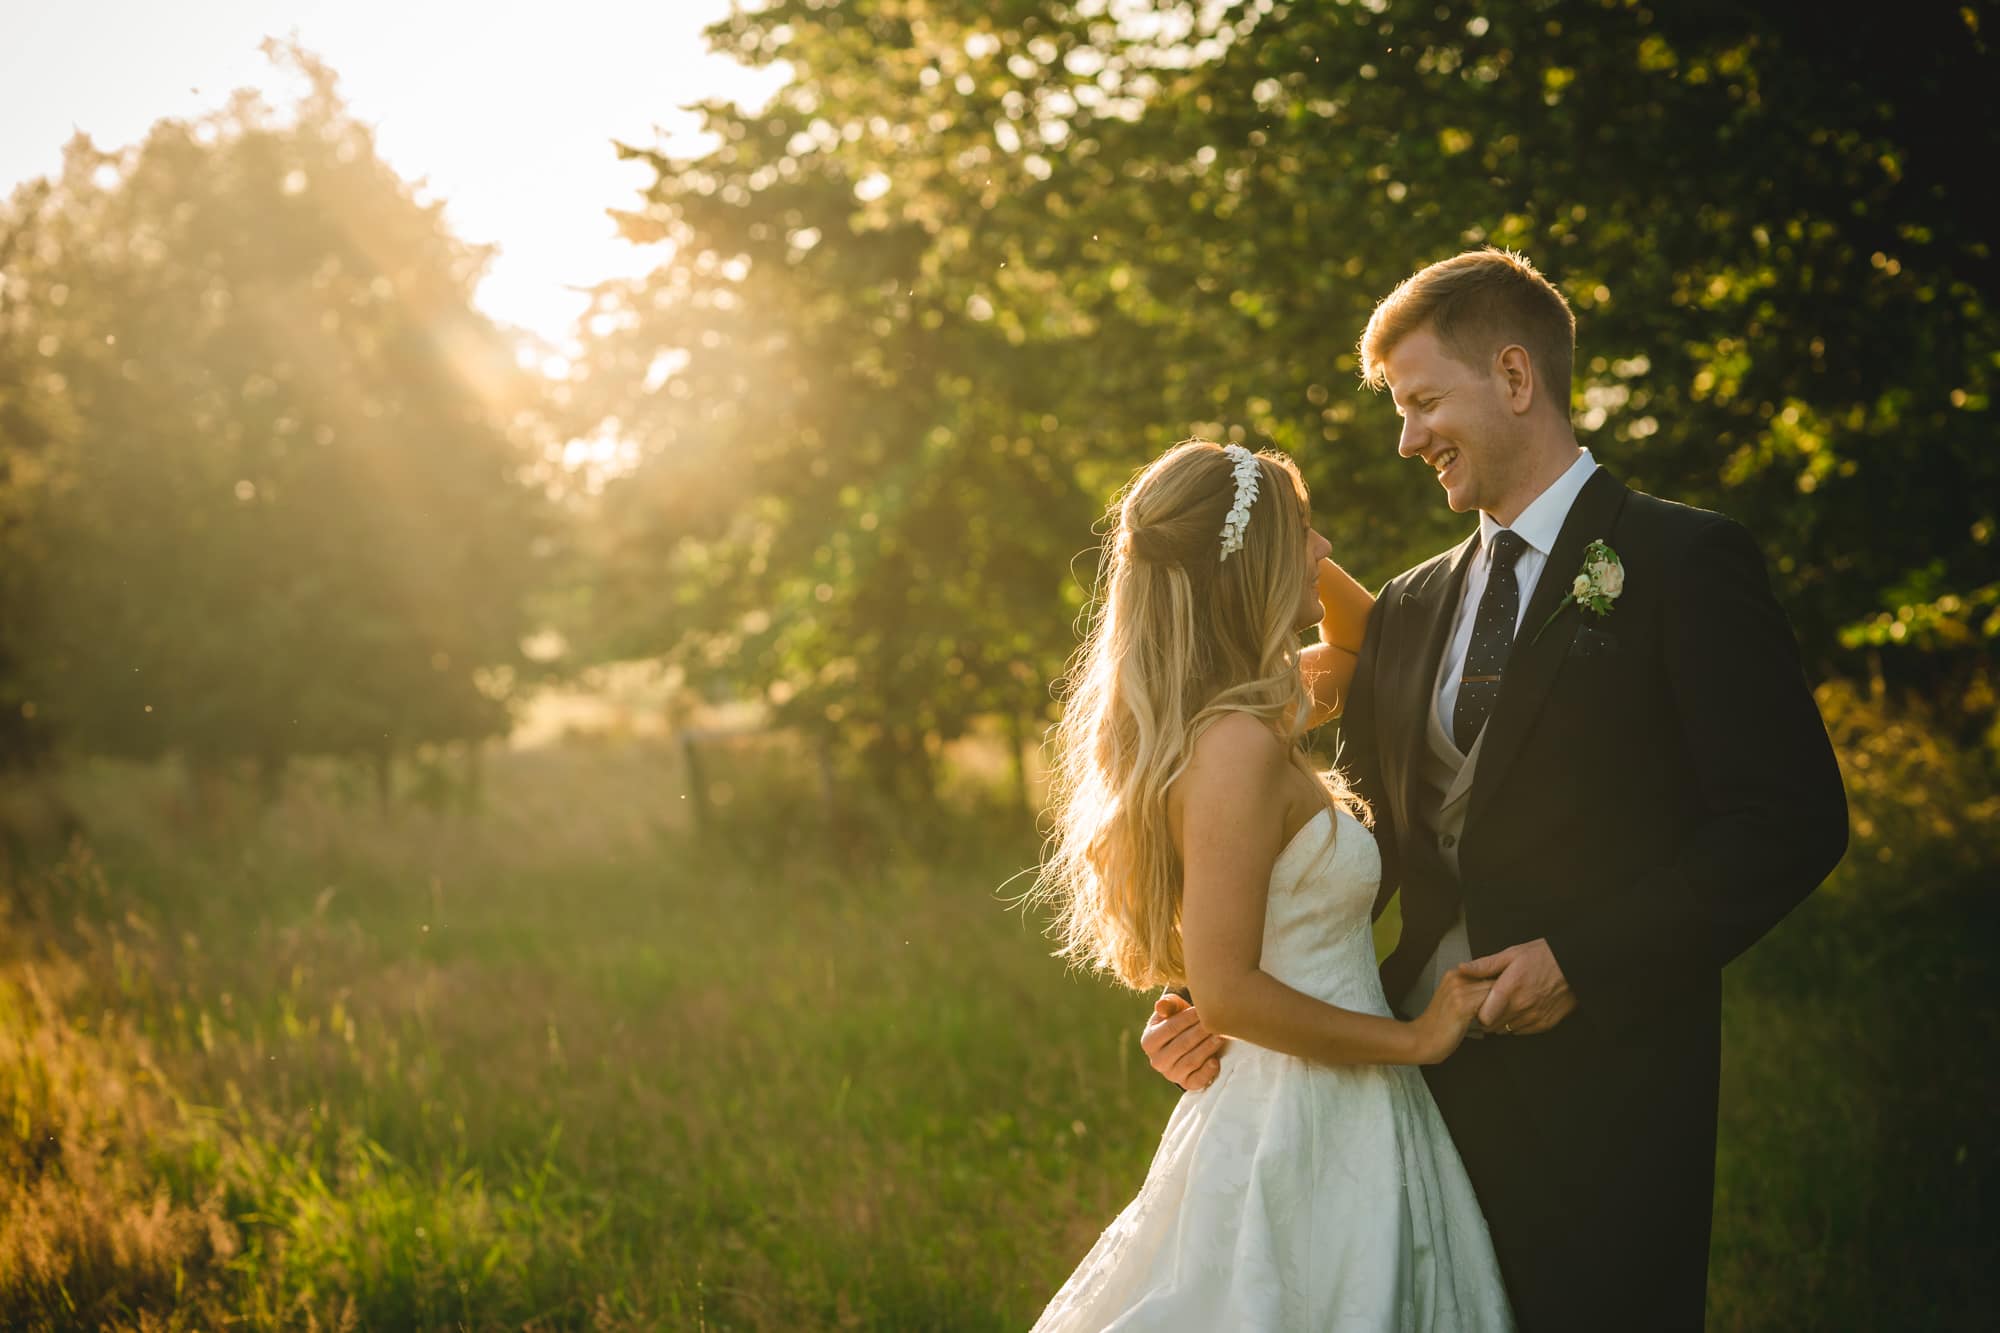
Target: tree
{"points": [[285, 513], [853, 489], [962, 220], [28, 425]]}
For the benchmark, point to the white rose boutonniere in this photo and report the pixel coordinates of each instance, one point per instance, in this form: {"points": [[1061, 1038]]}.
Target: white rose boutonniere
{"points": [[1596, 586]]}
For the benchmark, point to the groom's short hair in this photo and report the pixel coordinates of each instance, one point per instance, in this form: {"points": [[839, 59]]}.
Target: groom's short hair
{"points": [[1477, 303]]}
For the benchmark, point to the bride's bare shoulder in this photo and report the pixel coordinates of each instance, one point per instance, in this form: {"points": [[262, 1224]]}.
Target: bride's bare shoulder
{"points": [[1236, 761], [1238, 739]]}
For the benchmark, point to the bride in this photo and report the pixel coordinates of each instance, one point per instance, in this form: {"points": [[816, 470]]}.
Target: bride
{"points": [[1312, 1185]]}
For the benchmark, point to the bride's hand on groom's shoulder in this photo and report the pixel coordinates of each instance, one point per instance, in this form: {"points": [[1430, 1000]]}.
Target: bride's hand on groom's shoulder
{"points": [[1179, 1047], [1344, 607]]}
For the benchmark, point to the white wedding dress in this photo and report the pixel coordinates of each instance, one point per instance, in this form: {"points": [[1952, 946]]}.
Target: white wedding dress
{"points": [[1294, 1196]]}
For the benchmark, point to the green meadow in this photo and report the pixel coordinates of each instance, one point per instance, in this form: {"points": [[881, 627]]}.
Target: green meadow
{"points": [[544, 1058], [344, 986]]}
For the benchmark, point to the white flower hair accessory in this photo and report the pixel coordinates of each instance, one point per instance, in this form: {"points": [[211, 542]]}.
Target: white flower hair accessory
{"points": [[1243, 466]]}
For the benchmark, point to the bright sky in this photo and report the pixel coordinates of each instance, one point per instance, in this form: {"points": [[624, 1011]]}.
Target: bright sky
{"points": [[506, 109]]}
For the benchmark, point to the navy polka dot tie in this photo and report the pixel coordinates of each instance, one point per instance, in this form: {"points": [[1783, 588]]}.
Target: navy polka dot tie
{"points": [[1492, 638]]}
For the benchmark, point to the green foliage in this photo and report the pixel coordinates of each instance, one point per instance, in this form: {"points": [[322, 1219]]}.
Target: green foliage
{"points": [[1847, 1154], [372, 1026], [553, 1065], [27, 427], [260, 463], [974, 263]]}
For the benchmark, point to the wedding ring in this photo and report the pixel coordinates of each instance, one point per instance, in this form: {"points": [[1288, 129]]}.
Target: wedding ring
{"points": [[1507, 1028]]}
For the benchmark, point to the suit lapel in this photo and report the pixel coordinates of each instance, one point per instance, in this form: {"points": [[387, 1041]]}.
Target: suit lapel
{"points": [[1428, 615], [1532, 665]]}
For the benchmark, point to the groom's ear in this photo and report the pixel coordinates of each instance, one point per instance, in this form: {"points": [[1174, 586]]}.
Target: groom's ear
{"points": [[1516, 370]]}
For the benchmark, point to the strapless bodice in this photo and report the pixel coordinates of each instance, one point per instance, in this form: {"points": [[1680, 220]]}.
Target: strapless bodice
{"points": [[1317, 917]]}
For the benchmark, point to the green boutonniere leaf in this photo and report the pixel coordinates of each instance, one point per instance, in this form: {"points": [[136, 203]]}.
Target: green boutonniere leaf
{"points": [[1598, 584]]}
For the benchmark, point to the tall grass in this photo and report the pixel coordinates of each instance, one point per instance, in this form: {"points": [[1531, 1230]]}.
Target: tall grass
{"points": [[561, 1063], [556, 1065], [1858, 1179]]}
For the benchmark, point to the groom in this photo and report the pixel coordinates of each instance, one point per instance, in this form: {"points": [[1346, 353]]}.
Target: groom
{"points": [[1597, 777]]}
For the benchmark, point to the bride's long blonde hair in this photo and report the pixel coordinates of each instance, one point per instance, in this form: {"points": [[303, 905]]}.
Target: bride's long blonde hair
{"points": [[1175, 638]]}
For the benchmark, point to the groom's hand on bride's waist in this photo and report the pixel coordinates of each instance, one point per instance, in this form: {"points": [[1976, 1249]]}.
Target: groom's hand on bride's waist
{"points": [[1179, 1047], [1529, 995]]}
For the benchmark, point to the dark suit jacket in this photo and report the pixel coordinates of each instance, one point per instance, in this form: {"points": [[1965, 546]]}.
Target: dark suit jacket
{"points": [[1656, 790]]}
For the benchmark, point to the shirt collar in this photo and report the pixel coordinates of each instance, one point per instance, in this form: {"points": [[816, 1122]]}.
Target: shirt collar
{"points": [[1541, 522]]}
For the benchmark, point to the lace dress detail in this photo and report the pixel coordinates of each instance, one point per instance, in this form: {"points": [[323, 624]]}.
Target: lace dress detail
{"points": [[1294, 1196]]}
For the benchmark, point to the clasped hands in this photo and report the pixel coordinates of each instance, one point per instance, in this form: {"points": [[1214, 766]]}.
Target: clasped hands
{"points": [[1529, 995]]}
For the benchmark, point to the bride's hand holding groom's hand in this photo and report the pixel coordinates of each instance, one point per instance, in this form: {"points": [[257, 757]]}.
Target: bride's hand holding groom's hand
{"points": [[1441, 1027], [1529, 993]]}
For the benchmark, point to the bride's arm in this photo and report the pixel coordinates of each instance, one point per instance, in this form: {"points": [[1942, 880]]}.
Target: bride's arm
{"points": [[1231, 803], [1328, 665]]}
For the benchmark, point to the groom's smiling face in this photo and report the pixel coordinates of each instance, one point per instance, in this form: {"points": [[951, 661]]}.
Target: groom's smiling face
{"points": [[1454, 418]]}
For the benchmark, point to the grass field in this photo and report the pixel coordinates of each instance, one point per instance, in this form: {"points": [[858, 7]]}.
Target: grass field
{"points": [[555, 1064]]}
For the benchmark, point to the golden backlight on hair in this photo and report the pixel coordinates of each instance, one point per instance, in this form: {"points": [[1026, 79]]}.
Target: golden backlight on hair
{"points": [[1177, 637], [1478, 303]]}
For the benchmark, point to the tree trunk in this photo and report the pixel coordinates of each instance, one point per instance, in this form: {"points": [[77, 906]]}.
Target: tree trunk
{"points": [[271, 769], [829, 791], [208, 791], [1017, 736], [900, 765], [475, 775], [697, 784]]}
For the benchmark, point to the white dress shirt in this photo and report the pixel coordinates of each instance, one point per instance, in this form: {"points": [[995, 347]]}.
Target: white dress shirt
{"points": [[1538, 525]]}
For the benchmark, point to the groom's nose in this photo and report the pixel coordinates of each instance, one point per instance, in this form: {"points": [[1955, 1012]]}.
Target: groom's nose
{"points": [[1412, 442]]}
